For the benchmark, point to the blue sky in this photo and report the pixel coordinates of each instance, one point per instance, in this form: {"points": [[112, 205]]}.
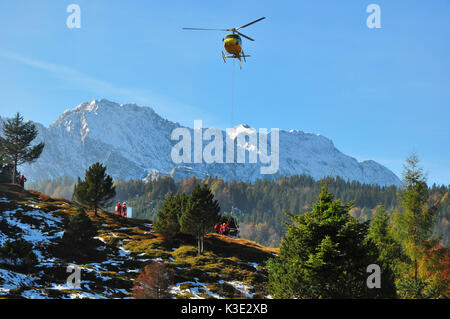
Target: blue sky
{"points": [[379, 94]]}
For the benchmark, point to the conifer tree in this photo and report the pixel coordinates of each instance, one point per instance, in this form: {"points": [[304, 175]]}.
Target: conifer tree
{"points": [[80, 230], [97, 190], [168, 222], [413, 225], [200, 214], [391, 255], [15, 145], [324, 254]]}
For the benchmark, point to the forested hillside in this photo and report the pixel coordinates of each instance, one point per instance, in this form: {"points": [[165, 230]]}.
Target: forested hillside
{"points": [[259, 207]]}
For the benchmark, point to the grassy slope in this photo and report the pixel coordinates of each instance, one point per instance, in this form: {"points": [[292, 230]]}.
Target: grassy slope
{"points": [[230, 268]]}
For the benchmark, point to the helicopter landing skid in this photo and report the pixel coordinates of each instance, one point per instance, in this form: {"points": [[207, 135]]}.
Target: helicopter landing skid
{"points": [[225, 57]]}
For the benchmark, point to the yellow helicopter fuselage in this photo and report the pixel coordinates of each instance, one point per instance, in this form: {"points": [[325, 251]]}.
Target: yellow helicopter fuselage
{"points": [[233, 44]]}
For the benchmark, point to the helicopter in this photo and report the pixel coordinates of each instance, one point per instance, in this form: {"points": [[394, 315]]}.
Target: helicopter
{"points": [[232, 42]]}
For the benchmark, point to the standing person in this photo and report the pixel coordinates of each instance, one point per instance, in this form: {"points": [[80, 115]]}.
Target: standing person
{"points": [[22, 180], [119, 209], [124, 209]]}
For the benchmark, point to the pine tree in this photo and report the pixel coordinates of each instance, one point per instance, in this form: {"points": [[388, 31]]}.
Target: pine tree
{"points": [[413, 225], [97, 190], [414, 222], [324, 254], [389, 249], [168, 222], [79, 230], [15, 146], [200, 214]]}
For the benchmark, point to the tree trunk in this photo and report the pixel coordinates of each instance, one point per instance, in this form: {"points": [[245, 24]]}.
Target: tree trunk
{"points": [[203, 239], [199, 250], [415, 270], [14, 173]]}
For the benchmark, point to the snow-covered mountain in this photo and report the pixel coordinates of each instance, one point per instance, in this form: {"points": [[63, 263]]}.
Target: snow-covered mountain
{"points": [[135, 142]]}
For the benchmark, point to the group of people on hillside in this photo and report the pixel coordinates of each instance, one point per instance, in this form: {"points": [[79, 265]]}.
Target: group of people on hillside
{"points": [[222, 229], [121, 209]]}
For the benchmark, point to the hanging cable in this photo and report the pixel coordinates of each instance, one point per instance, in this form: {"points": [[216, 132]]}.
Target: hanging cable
{"points": [[232, 94], [233, 168]]}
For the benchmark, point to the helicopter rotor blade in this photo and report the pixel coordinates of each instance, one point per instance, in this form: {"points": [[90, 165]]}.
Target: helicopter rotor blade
{"points": [[246, 25], [206, 29], [243, 35]]}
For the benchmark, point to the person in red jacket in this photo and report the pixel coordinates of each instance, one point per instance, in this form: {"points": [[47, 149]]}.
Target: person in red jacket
{"points": [[124, 209], [225, 228], [119, 209], [22, 180]]}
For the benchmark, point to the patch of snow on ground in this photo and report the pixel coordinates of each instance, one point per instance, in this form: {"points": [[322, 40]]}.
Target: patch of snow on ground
{"points": [[254, 265], [86, 295], [199, 288], [242, 288], [123, 252], [13, 280], [34, 294], [36, 236]]}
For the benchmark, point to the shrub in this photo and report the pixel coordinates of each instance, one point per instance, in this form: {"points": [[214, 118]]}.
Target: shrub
{"points": [[153, 282], [44, 197], [18, 253], [79, 229]]}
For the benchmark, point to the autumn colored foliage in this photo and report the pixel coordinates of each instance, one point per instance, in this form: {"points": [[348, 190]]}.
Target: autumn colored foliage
{"points": [[153, 282], [435, 266]]}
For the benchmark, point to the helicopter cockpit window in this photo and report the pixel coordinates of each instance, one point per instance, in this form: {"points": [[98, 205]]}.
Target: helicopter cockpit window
{"points": [[231, 36]]}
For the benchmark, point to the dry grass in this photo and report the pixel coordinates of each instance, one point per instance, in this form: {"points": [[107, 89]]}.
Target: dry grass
{"points": [[225, 259]]}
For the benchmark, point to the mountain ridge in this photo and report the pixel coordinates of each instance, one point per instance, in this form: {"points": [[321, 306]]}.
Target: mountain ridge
{"points": [[135, 142]]}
